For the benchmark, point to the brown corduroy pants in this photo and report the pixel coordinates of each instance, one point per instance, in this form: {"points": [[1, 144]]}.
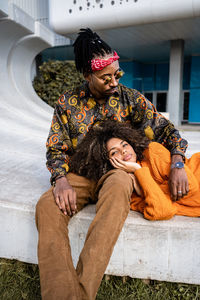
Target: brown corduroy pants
{"points": [[58, 277]]}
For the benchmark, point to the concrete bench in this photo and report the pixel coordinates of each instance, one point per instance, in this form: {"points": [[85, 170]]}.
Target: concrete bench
{"points": [[161, 250]]}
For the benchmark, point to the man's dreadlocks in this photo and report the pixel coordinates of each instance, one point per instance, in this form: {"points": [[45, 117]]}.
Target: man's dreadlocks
{"points": [[87, 46]]}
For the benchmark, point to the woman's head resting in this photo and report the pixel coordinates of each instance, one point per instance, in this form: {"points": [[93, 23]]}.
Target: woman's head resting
{"points": [[121, 149], [92, 156]]}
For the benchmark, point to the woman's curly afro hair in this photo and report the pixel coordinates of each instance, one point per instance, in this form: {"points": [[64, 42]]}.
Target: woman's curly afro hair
{"points": [[91, 157]]}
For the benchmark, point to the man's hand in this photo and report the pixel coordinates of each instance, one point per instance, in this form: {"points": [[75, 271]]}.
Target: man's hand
{"points": [[178, 181], [65, 196]]}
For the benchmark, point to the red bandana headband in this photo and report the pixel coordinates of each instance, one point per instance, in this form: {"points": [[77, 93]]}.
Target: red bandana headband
{"points": [[99, 64]]}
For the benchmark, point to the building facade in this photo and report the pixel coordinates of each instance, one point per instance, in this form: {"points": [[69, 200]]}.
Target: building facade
{"points": [[158, 43]]}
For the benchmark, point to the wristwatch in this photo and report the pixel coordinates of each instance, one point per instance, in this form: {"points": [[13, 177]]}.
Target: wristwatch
{"points": [[177, 165]]}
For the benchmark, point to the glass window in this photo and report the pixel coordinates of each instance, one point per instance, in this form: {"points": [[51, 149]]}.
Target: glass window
{"points": [[149, 96], [161, 102], [186, 106]]}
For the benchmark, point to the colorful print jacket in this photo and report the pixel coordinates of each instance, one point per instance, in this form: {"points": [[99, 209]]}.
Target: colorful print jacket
{"points": [[77, 111]]}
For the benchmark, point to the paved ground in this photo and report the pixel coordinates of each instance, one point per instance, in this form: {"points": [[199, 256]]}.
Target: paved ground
{"points": [[188, 127]]}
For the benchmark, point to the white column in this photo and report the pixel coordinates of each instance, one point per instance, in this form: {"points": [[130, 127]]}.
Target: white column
{"points": [[175, 97]]}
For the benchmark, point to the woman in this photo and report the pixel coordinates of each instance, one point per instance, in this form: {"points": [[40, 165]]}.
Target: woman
{"points": [[116, 145]]}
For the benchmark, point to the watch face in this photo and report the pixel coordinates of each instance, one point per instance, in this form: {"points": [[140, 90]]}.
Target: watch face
{"points": [[179, 165]]}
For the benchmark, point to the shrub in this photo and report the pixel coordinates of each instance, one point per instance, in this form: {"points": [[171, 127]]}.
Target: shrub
{"points": [[55, 77]]}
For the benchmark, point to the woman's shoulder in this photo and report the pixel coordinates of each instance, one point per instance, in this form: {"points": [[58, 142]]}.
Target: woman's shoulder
{"points": [[158, 159], [157, 149]]}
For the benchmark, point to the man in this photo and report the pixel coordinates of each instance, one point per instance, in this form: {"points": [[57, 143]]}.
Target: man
{"points": [[101, 97]]}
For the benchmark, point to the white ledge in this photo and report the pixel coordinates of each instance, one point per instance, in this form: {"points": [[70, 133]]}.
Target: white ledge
{"points": [[159, 250]]}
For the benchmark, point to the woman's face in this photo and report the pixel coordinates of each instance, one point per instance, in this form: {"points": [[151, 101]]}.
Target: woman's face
{"points": [[118, 148]]}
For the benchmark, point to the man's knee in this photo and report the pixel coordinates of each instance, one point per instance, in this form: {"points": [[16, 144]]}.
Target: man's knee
{"points": [[115, 187], [119, 176], [44, 200], [45, 206], [117, 179]]}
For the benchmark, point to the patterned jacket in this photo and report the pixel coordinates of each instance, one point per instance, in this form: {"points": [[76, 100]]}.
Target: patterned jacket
{"points": [[77, 110]]}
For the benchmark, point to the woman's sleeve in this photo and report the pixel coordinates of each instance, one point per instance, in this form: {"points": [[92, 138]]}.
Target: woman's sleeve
{"points": [[158, 205], [158, 161]]}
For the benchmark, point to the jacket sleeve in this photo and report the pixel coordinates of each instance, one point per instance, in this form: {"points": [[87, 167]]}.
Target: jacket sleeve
{"points": [[59, 145], [158, 205], [156, 127], [158, 158]]}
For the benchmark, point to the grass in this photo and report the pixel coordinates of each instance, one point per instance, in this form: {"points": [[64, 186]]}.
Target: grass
{"points": [[135, 289], [20, 281]]}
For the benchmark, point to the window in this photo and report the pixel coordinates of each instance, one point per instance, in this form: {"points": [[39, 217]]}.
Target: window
{"points": [[186, 106], [161, 102], [149, 96], [158, 98]]}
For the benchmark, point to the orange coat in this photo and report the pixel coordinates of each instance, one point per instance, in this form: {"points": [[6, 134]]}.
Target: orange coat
{"points": [[156, 204]]}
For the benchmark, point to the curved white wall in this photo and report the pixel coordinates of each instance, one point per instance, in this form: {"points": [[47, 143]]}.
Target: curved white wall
{"points": [[24, 125], [69, 16]]}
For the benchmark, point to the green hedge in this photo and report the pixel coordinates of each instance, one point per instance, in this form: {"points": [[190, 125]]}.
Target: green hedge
{"points": [[55, 77]]}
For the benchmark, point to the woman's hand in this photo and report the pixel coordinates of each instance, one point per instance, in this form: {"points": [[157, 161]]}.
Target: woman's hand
{"points": [[136, 184], [127, 166]]}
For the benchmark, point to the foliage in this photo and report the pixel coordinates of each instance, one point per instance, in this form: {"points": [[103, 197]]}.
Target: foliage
{"points": [[136, 289], [55, 77], [20, 281]]}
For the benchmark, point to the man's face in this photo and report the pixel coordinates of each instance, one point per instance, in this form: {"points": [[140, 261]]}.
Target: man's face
{"points": [[104, 83]]}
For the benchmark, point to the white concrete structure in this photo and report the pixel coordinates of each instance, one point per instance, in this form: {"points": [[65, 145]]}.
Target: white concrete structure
{"points": [[39, 11], [24, 125], [69, 16], [176, 81], [158, 250]]}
